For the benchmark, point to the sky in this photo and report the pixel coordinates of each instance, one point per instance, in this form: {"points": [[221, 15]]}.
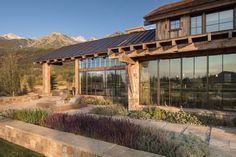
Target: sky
{"points": [[88, 18]]}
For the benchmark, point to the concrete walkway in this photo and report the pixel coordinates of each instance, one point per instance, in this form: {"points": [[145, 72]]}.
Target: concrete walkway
{"points": [[221, 140]]}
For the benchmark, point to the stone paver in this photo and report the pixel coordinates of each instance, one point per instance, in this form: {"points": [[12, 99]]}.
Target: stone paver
{"points": [[232, 145], [200, 131], [179, 128]]}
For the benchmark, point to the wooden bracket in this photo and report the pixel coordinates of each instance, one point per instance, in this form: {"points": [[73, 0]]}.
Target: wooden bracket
{"points": [[126, 59]]}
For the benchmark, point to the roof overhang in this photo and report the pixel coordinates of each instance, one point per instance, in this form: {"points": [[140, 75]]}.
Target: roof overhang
{"points": [[218, 42], [192, 7]]}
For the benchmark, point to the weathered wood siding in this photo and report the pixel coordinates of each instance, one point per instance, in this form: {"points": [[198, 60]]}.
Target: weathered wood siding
{"points": [[163, 29]]}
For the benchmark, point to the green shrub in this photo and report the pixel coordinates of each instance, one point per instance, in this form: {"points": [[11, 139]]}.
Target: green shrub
{"points": [[34, 116], [95, 101], [139, 114], [207, 119], [126, 133], [172, 144], [180, 117], [110, 110]]}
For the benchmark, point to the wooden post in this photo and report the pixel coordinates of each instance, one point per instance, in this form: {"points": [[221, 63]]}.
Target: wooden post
{"points": [[133, 86], [46, 79], [158, 83], [77, 77]]}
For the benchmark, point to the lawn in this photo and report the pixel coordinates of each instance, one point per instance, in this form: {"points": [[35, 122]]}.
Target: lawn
{"points": [[8, 149]]}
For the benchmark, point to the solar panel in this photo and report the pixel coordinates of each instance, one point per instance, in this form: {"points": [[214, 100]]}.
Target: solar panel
{"points": [[99, 46]]}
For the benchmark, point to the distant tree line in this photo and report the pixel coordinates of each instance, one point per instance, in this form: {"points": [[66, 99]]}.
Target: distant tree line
{"points": [[18, 75]]}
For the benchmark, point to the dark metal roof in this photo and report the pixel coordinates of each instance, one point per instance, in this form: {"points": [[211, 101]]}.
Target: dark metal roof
{"points": [[99, 46]]}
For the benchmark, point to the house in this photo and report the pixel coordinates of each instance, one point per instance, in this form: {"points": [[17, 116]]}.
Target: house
{"points": [[176, 64]]}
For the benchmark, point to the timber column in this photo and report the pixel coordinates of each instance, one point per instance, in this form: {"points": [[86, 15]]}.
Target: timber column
{"points": [[77, 77], [46, 79], [133, 86]]}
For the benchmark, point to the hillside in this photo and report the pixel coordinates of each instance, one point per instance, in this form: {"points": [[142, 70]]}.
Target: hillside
{"points": [[53, 40]]}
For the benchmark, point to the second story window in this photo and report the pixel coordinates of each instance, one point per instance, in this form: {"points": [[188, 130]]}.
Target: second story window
{"points": [[196, 25], [174, 24], [219, 21]]}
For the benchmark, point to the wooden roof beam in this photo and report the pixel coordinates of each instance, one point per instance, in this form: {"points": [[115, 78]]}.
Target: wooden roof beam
{"points": [[124, 58]]}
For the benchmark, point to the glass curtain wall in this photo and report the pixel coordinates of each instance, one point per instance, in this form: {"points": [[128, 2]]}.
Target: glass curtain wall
{"points": [[170, 82], [228, 79], [214, 83], [164, 74], [148, 83], [175, 82], [199, 82], [187, 82], [195, 82], [110, 83]]}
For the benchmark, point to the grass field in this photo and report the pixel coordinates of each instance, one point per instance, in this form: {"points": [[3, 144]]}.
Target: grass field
{"points": [[8, 149]]}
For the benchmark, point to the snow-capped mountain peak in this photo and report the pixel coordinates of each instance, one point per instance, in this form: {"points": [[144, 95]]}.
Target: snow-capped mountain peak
{"points": [[11, 36], [79, 39]]}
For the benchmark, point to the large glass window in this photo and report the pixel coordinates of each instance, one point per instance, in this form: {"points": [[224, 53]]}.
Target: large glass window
{"points": [[219, 21], [83, 82], [187, 82], [148, 83], [228, 78], [175, 24], [214, 83], [175, 82], [100, 62], [164, 81], [195, 82], [196, 25], [110, 83], [199, 81]]}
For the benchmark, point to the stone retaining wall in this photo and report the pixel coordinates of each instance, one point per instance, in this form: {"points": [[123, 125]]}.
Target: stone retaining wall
{"points": [[53, 143], [18, 99]]}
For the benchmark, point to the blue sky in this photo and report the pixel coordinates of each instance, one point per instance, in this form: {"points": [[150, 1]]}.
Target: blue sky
{"points": [[34, 18]]}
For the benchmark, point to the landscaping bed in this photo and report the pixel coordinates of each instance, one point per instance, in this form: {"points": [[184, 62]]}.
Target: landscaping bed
{"points": [[8, 149], [121, 132], [154, 113]]}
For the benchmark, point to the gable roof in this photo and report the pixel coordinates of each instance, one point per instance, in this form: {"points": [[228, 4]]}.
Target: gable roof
{"points": [[184, 7], [99, 46]]}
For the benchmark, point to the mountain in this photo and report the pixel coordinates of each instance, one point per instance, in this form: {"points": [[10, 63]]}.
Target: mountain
{"points": [[11, 36], [79, 39], [53, 40]]}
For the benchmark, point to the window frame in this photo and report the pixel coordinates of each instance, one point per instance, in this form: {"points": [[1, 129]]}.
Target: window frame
{"points": [[218, 20], [195, 27], [174, 20]]}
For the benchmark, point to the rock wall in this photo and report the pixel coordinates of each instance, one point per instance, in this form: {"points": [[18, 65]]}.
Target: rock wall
{"points": [[18, 99], [53, 143]]}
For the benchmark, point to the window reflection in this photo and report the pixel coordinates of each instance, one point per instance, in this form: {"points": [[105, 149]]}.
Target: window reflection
{"points": [[196, 25], [164, 81], [175, 82], [175, 24], [228, 78], [111, 83], [199, 81], [196, 87], [148, 83], [215, 86], [219, 21], [187, 82], [100, 62]]}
